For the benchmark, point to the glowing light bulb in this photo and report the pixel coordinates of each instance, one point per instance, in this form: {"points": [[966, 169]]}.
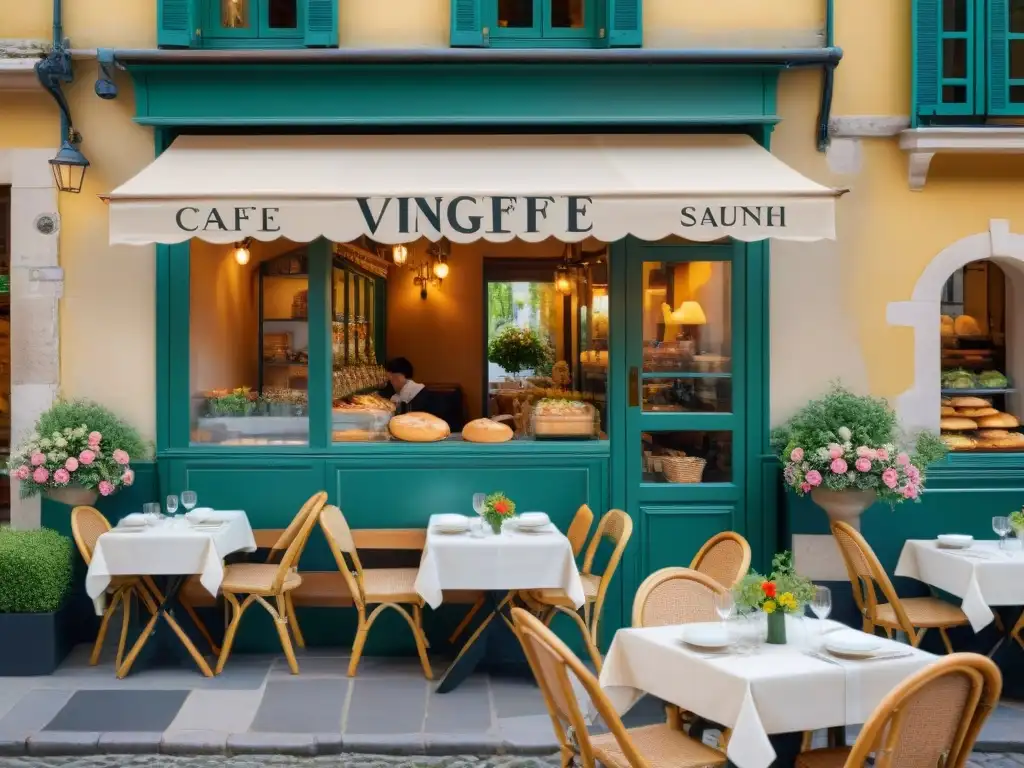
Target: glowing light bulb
{"points": [[399, 254], [241, 254], [440, 270]]}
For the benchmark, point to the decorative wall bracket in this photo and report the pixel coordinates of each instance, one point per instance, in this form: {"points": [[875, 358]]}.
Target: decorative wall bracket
{"points": [[53, 70], [922, 144]]}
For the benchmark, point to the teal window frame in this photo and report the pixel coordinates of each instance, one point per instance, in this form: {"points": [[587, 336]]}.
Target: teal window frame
{"points": [[196, 24], [986, 80], [608, 24], [258, 31], [542, 32]]}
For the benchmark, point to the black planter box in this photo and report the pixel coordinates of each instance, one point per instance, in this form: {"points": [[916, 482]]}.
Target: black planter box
{"points": [[33, 643]]}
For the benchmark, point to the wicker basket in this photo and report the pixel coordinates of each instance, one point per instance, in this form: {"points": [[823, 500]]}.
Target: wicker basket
{"points": [[683, 469]]}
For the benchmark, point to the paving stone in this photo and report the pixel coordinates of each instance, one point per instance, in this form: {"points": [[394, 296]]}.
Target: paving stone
{"points": [[466, 709], [11, 745], [328, 743], [193, 743], [302, 745], [106, 711], [130, 743], [301, 706], [516, 698], [529, 735], [62, 743], [385, 744], [228, 711], [32, 713], [386, 705], [462, 743], [312, 666]]}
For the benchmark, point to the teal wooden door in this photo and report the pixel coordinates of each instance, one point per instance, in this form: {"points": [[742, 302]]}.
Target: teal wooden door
{"points": [[685, 437]]}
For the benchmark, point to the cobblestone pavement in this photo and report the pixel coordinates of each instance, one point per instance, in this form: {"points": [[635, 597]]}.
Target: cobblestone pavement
{"points": [[257, 714]]}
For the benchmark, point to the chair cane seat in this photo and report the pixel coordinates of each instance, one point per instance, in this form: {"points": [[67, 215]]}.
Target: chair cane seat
{"points": [[591, 585], [256, 578], [923, 612], [660, 745], [391, 585]]}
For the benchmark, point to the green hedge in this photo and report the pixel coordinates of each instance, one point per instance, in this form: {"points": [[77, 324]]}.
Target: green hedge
{"points": [[35, 570]]}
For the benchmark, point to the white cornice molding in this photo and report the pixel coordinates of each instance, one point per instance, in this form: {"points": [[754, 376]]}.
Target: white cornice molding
{"points": [[17, 64], [867, 126], [922, 144]]}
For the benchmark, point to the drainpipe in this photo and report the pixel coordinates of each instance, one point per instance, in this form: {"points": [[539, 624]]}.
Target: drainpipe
{"points": [[55, 69], [828, 78]]}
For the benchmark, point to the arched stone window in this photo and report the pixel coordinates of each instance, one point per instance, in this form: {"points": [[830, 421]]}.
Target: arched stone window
{"points": [[981, 274]]}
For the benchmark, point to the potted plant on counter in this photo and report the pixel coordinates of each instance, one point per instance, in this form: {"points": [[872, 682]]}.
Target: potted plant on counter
{"points": [[35, 574], [518, 349], [844, 450], [78, 450]]}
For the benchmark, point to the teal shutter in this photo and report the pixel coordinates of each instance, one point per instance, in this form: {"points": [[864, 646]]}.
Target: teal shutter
{"points": [[321, 27], [1004, 32], [927, 39], [625, 23], [177, 23], [945, 68], [467, 27]]}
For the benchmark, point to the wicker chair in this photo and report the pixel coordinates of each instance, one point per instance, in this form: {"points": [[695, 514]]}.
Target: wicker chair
{"points": [[932, 718], [382, 587], [87, 525], [725, 558], [259, 581], [554, 665], [577, 534], [908, 615], [617, 527], [1017, 633]]}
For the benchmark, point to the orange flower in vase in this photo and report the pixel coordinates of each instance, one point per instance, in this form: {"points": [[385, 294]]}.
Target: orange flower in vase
{"points": [[497, 509], [768, 587]]}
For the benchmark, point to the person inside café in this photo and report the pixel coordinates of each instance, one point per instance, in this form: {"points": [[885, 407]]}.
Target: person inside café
{"points": [[407, 395]]}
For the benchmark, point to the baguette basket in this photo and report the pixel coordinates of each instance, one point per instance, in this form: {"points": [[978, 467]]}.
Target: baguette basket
{"points": [[683, 469]]}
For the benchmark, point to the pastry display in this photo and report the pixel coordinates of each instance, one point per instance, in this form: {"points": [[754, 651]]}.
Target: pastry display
{"points": [[965, 325], [1000, 420], [974, 413], [418, 427], [957, 424], [486, 431], [959, 442], [948, 410], [972, 423], [352, 435], [554, 418]]}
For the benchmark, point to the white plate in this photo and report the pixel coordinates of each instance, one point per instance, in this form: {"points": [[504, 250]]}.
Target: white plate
{"points": [[533, 520], [707, 636], [451, 524], [854, 645], [955, 541]]}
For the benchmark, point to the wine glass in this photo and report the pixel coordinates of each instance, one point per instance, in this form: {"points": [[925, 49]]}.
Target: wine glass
{"points": [[151, 509], [724, 605], [1001, 525], [479, 500], [172, 505], [821, 606], [189, 500]]}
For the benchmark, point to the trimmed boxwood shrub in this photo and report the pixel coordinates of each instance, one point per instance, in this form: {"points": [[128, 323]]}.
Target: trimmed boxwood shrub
{"points": [[35, 570]]}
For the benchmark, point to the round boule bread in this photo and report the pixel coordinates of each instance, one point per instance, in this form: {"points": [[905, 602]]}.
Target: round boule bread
{"points": [[486, 431], [418, 427], [1012, 440], [948, 410], [993, 434], [959, 442], [959, 423], [969, 402], [999, 420], [974, 413]]}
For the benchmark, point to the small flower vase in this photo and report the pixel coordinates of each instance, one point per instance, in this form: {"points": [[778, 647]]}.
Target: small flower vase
{"points": [[776, 628]]}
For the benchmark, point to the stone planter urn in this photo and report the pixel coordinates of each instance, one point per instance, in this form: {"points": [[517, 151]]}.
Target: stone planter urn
{"points": [[846, 506], [73, 495]]}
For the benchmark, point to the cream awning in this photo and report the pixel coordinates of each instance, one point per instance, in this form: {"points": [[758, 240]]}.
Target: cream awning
{"points": [[398, 188]]}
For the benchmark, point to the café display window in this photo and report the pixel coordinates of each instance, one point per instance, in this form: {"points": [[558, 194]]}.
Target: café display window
{"points": [[979, 373]]}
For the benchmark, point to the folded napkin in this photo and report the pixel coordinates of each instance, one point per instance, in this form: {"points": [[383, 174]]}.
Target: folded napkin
{"points": [[134, 520], [208, 515]]}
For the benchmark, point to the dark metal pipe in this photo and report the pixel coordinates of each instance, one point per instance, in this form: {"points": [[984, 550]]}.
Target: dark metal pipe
{"points": [[783, 57]]}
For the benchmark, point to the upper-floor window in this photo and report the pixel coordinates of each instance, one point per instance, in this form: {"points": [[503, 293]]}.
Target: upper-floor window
{"points": [[968, 60], [546, 23], [247, 23]]}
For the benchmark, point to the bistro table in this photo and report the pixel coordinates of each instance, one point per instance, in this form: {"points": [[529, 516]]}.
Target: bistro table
{"points": [[777, 689], [171, 547], [499, 565], [983, 575]]}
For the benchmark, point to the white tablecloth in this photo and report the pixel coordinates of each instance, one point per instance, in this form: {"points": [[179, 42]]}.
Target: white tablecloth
{"points": [[777, 689], [510, 560], [983, 576], [172, 547]]}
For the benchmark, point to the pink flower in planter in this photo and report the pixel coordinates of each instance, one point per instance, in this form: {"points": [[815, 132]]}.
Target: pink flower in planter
{"points": [[863, 464], [121, 457], [86, 457], [22, 472], [38, 459], [94, 439], [61, 477], [863, 451], [128, 477], [910, 492], [903, 459], [838, 466], [797, 455], [813, 478], [40, 475], [805, 487], [883, 455], [891, 478], [71, 464], [105, 488], [835, 451]]}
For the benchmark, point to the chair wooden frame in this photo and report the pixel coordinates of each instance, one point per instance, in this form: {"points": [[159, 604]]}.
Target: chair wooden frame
{"points": [[551, 661], [1017, 633], [339, 539], [867, 576], [577, 534], [885, 728], [285, 579], [705, 557], [121, 589], [617, 527]]}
